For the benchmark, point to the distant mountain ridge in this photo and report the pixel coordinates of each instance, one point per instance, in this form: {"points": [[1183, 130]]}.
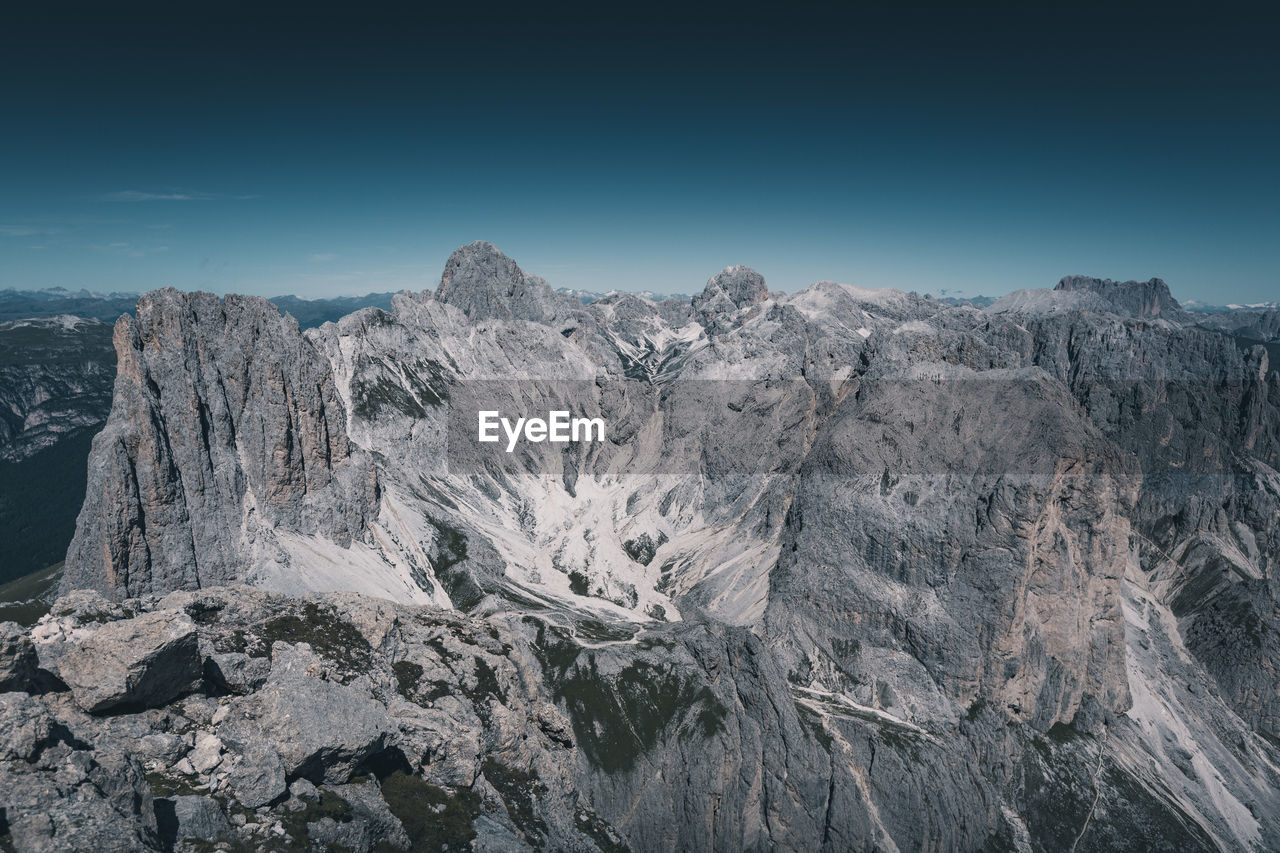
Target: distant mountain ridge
{"points": [[29, 304], [25, 304], [56, 375], [586, 297], [316, 312]]}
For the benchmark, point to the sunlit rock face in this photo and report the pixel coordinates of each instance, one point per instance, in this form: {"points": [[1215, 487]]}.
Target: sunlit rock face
{"points": [[851, 569]]}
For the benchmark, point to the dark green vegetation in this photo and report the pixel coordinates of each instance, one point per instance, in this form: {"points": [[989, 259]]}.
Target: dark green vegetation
{"points": [[598, 830], [428, 380], [450, 550], [486, 684], [327, 805], [428, 386], [812, 721], [408, 675], [1058, 776], [976, 707], [328, 634], [24, 600], [1215, 574], [643, 547], [845, 650], [409, 683], [435, 819], [619, 717], [40, 497], [519, 790], [164, 785], [368, 399], [1063, 733], [596, 631], [1228, 625]]}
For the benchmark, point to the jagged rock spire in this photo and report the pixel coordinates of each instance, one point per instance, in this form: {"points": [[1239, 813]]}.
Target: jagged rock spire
{"points": [[728, 291], [486, 284]]}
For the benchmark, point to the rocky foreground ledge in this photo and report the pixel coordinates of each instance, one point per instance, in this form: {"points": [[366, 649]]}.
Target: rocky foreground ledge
{"points": [[231, 718]]}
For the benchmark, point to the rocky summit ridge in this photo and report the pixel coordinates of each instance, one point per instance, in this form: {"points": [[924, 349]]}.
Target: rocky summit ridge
{"points": [[1138, 298], [485, 284], [854, 569]]}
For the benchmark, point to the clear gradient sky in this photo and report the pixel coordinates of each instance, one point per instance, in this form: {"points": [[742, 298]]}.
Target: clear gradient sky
{"points": [[324, 150]]}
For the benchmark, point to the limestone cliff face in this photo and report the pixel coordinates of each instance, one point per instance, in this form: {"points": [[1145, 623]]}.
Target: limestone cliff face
{"points": [[1144, 299], [974, 533], [226, 426], [1200, 414]]}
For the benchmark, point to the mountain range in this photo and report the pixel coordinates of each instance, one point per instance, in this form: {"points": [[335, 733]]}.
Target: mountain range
{"points": [[853, 570]]}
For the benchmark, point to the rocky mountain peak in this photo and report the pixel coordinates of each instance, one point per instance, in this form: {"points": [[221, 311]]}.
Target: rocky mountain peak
{"points": [[228, 394], [727, 291], [1146, 299], [742, 285], [486, 284]]}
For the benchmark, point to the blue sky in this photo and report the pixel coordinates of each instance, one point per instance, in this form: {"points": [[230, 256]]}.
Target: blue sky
{"points": [[322, 152]]}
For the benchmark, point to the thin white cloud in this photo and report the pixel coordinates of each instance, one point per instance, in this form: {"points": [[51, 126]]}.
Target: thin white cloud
{"points": [[24, 231], [172, 195], [129, 249], [323, 257]]}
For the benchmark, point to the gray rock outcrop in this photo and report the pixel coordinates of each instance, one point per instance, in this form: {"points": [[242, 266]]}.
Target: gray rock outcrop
{"points": [[25, 727], [145, 661], [68, 797], [192, 818], [322, 729], [18, 661], [381, 727]]}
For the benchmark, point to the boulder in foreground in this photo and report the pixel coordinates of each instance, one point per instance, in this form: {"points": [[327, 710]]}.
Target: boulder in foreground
{"points": [[17, 657], [141, 662]]}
